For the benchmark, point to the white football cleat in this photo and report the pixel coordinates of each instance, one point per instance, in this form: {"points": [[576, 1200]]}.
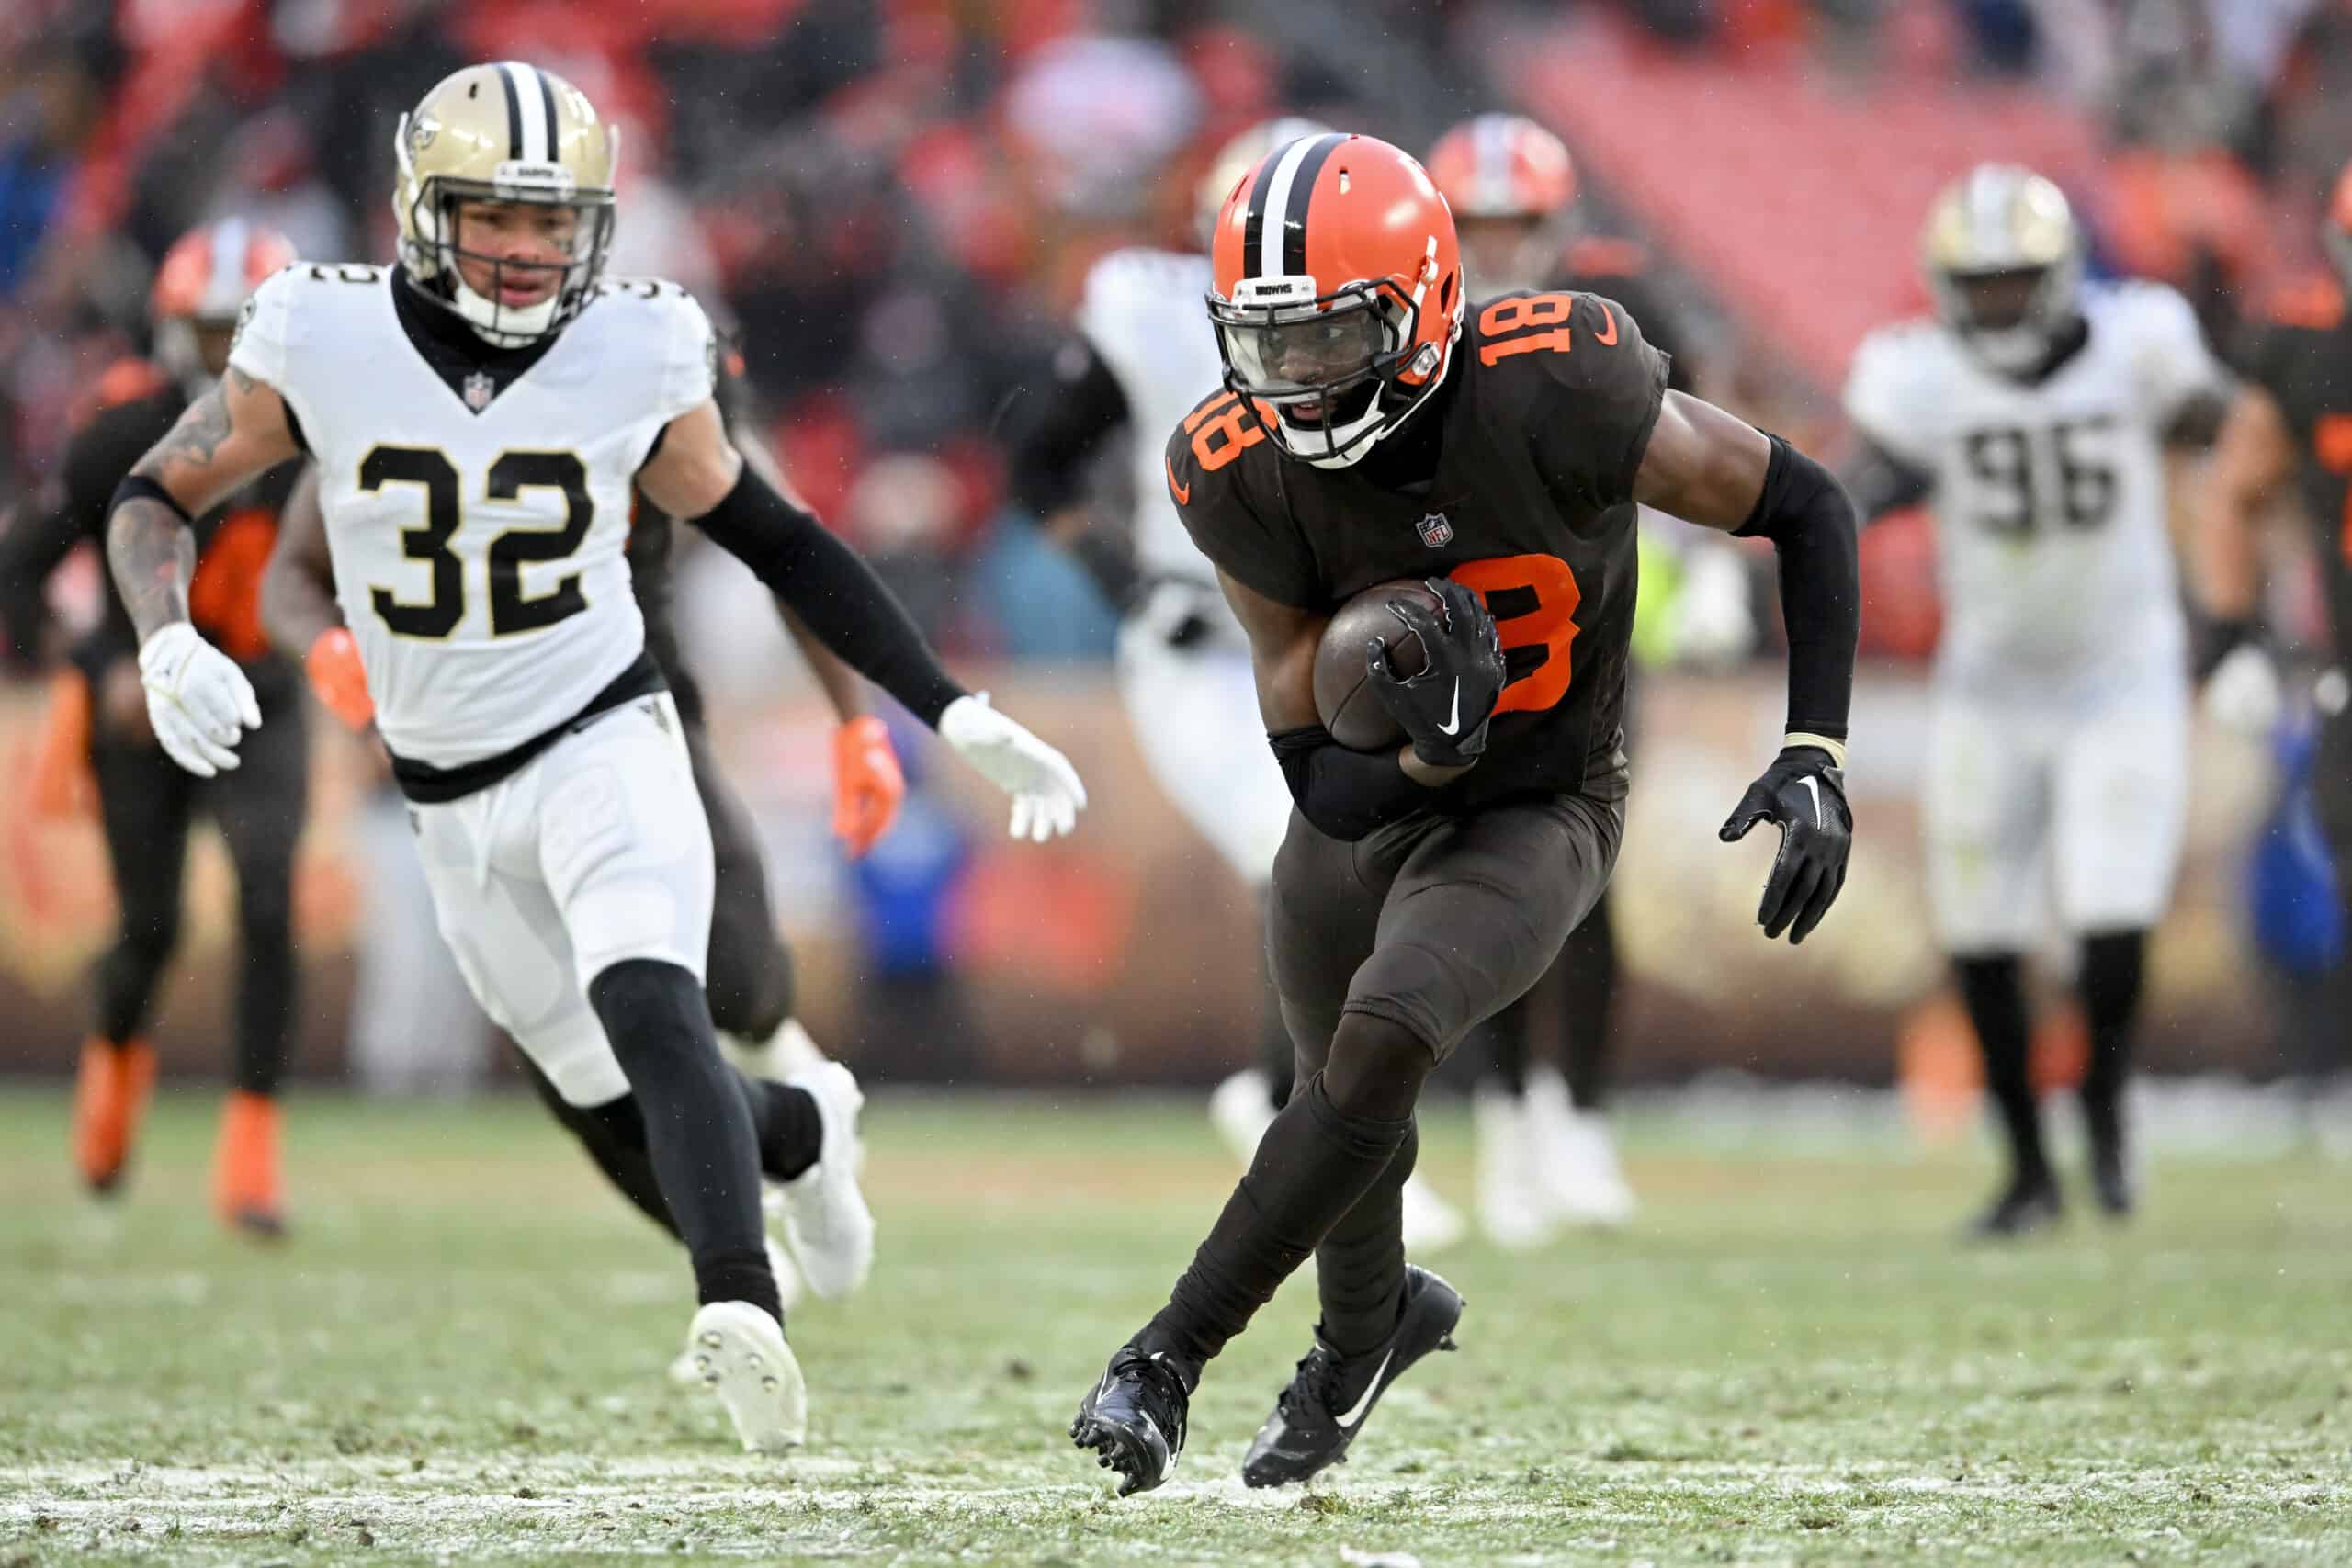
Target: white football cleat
{"points": [[739, 1352], [1514, 1210], [826, 1221], [1580, 1173], [787, 1290], [1432, 1224], [1240, 1109]]}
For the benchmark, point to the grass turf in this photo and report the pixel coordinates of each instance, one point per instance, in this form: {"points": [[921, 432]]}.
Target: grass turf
{"points": [[459, 1359]]}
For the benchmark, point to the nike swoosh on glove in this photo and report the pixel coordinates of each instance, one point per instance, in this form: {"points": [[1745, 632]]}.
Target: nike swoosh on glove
{"points": [[1804, 794], [198, 703], [1446, 707], [1047, 792]]}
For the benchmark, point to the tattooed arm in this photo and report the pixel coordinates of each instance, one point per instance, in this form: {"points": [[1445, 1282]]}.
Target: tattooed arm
{"points": [[231, 436]]}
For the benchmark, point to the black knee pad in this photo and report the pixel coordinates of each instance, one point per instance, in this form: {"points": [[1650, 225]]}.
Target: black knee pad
{"points": [[649, 1009], [1377, 1067]]}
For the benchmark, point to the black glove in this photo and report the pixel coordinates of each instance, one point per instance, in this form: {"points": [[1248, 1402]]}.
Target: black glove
{"points": [[1803, 794], [1445, 707]]}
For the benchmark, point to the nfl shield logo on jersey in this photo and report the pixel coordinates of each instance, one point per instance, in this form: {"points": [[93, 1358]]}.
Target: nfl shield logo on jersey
{"points": [[1435, 530], [480, 388]]}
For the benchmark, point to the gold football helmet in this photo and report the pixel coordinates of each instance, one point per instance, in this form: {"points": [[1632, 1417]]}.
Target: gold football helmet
{"points": [[505, 133], [2004, 263]]}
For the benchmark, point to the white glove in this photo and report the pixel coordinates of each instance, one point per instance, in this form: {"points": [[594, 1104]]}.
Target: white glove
{"points": [[1713, 623], [2242, 694], [1047, 793], [198, 703]]}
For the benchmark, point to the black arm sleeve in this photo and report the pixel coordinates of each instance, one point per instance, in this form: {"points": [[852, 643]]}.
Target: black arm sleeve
{"points": [[1085, 404], [1880, 482], [1344, 794], [833, 591], [1811, 524]]}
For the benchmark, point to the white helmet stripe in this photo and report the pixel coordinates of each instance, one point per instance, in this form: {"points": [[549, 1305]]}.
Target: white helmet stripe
{"points": [[534, 142], [1270, 235], [225, 290]]}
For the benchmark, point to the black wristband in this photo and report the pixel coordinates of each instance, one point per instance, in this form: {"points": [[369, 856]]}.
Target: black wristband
{"points": [[139, 487], [832, 590], [1342, 794]]}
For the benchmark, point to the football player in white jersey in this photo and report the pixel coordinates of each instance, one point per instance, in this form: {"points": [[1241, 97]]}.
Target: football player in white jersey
{"points": [[479, 416], [1144, 356], [2034, 411]]}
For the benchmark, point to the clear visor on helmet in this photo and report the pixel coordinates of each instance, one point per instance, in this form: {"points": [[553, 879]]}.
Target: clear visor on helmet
{"points": [[1296, 354]]}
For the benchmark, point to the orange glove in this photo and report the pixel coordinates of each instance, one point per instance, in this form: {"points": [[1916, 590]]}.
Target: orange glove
{"points": [[61, 786], [336, 677], [867, 785]]}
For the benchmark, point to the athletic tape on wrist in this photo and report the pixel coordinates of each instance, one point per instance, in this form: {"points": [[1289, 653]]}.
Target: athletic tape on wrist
{"points": [[1837, 749]]}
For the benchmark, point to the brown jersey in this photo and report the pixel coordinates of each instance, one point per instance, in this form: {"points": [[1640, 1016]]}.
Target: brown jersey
{"points": [[1531, 449], [2302, 355]]}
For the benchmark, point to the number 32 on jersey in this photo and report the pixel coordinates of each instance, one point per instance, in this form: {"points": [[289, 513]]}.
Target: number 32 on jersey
{"points": [[511, 609]]}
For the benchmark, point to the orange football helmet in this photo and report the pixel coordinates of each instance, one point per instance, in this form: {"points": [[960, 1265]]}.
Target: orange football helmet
{"points": [[204, 281], [1512, 188], [1338, 293]]}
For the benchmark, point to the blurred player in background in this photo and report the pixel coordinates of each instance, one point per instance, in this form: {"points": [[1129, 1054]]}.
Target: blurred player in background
{"points": [[147, 803], [2289, 427], [1142, 358], [749, 979], [482, 416], [1544, 1154], [2034, 411], [1366, 436]]}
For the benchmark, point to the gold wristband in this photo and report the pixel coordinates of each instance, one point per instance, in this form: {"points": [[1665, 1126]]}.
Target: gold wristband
{"points": [[1837, 749]]}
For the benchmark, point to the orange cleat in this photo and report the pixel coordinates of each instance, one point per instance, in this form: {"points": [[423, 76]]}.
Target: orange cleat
{"points": [[109, 1096], [244, 1166]]}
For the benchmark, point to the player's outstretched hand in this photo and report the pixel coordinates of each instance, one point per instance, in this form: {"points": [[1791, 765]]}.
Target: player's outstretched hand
{"points": [[199, 702], [1804, 794], [867, 783], [1045, 790], [1444, 707]]}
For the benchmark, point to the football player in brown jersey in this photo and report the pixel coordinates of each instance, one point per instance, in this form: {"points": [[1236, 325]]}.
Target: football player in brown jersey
{"points": [[1365, 435]]}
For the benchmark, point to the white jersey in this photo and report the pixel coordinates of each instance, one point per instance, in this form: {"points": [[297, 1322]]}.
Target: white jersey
{"points": [[2057, 564], [478, 531], [1146, 313]]}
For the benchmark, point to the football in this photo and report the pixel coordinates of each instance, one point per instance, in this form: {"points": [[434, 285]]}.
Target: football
{"points": [[1344, 698]]}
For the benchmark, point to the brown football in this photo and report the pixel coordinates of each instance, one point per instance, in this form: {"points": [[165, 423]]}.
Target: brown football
{"points": [[1343, 695]]}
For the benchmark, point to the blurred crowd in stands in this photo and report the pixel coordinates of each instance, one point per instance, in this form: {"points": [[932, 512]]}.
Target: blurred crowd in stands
{"points": [[895, 201]]}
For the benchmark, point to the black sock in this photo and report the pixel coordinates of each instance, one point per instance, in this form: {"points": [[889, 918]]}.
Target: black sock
{"points": [[1994, 988], [1587, 994], [613, 1135], [698, 1127], [785, 1119], [1311, 1167], [1360, 1266], [2113, 963]]}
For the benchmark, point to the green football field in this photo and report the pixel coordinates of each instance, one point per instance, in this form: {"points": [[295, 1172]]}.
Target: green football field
{"points": [[459, 1359]]}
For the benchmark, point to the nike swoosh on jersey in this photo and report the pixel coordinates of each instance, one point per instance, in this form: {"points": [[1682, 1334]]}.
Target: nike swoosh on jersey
{"points": [[1355, 1415], [1813, 787], [1454, 719], [1607, 337], [1183, 493]]}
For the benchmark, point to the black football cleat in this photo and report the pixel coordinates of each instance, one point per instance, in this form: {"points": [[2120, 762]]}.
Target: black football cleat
{"points": [[1331, 1396], [2028, 1203], [1134, 1419]]}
